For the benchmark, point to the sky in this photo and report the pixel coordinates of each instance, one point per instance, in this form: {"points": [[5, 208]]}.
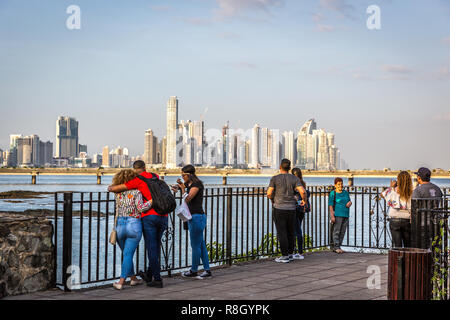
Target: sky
{"points": [[384, 93]]}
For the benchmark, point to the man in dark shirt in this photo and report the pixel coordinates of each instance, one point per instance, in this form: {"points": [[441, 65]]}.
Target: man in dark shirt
{"points": [[426, 189], [432, 195], [153, 225], [281, 191]]}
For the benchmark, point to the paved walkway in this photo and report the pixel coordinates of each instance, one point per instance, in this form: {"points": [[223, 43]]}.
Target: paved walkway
{"points": [[321, 275]]}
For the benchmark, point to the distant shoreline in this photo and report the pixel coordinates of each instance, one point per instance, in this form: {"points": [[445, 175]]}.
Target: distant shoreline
{"points": [[215, 172]]}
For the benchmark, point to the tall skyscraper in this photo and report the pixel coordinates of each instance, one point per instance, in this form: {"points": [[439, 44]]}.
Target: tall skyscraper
{"points": [[199, 137], [264, 149], [172, 125], [255, 146], [66, 137], [151, 147], [105, 157], [289, 146], [45, 153], [164, 151]]}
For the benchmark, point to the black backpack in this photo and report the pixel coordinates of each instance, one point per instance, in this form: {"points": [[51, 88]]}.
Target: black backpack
{"points": [[163, 200]]}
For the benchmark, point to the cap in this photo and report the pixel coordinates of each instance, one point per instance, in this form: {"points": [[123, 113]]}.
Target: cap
{"points": [[424, 173]]}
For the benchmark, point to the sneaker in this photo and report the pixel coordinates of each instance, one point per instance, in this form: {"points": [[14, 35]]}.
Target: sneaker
{"points": [[136, 282], [291, 257], [189, 274], [117, 286], [144, 276], [155, 284], [283, 259], [298, 256], [205, 274]]}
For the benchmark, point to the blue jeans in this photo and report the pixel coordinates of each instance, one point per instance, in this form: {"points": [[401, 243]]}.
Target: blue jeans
{"points": [[197, 226], [129, 233], [298, 233], [154, 227]]}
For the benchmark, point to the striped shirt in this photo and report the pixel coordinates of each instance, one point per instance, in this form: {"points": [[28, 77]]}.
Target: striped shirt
{"points": [[130, 204]]}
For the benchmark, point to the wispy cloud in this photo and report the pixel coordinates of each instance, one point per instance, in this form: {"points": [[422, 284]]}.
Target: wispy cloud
{"points": [[397, 69], [230, 8], [446, 40], [443, 73], [359, 74], [442, 116], [228, 35], [339, 6], [319, 18], [324, 28], [197, 21]]}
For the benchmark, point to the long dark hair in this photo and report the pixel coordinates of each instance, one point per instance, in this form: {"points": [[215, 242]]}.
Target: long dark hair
{"points": [[298, 173], [190, 169]]}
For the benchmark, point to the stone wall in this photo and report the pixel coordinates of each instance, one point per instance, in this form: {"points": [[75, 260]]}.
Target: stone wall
{"points": [[26, 254]]}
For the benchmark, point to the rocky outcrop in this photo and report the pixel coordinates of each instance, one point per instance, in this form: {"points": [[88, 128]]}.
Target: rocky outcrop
{"points": [[26, 254]]}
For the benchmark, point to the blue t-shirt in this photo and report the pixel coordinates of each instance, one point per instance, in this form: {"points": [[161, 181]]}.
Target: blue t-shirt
{"points": [[341, 201]]}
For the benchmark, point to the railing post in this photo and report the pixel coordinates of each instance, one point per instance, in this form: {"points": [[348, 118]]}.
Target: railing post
{"points": [[229, 226], [67, 238], [414, 228]]}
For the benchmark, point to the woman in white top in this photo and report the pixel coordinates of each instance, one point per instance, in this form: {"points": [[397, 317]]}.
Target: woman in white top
{"points": [[398, 199]]}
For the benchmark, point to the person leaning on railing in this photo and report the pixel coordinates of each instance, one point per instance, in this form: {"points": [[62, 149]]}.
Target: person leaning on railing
{"points": [[339, 203], [129, 206], [398, 199]]}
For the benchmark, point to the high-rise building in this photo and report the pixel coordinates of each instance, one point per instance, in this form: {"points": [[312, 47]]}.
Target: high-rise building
{"points": [[275, 149], [82, 148], [289, 146], [105, 157], [45, 153], [199, 138], [264, 149], [151, 147], [97, 159], [255, 146], [25, 151], [66, 137], [164, 151], [172, 125]]}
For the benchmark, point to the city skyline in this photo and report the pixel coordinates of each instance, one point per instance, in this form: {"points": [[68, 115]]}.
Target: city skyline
{"points": [[275, 63], [259, 147]]}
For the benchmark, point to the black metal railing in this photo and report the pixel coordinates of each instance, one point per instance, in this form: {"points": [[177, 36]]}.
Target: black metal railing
{"points": [[430, 230], [239, 228]]}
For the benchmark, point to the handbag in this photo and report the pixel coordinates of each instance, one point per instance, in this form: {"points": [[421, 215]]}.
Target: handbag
{"points": [[113, 235], [183, 211]]}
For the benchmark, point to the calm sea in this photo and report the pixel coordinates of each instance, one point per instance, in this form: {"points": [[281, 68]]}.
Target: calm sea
{"points": [[88, 184]]}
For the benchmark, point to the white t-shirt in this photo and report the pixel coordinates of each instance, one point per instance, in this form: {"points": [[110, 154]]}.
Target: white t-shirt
{"points": [[398, 209]]}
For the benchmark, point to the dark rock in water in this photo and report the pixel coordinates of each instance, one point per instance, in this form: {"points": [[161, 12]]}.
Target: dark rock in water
{"points": [[21, 194]]}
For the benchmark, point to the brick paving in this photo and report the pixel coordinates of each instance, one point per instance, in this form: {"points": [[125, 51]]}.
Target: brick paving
{"points": [[320, 276]]}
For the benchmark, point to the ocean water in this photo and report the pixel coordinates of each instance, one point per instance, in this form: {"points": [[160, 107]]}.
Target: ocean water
{"points": [[83, 183]]}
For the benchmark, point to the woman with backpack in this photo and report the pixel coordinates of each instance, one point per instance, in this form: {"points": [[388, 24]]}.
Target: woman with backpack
{"points": [[300, 211], [339, 204], [398, 199], [193, 187], [129, 206]]}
